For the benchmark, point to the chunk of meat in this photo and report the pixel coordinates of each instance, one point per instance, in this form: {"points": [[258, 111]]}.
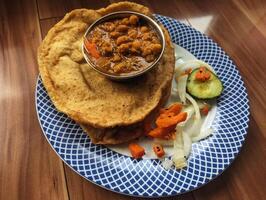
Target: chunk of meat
{"points": [[132, 33], [146, 51], [144, 29], [115, 34], [122, 28], [133, 19], [156, 48], [122, 39], [124, 48], [106, 48]]}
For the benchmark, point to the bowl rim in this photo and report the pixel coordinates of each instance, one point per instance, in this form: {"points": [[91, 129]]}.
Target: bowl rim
{"points": [[112, 15]]}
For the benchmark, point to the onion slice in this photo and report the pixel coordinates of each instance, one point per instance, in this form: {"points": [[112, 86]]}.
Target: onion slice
{"points": [[195, 105], [181, 87], [196, 126], [187, 144], [179, 154], [163, 142], [202, 135]]}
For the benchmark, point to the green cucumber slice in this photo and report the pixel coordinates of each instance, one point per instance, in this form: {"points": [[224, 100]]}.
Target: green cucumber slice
{"points": [[208, 89]]}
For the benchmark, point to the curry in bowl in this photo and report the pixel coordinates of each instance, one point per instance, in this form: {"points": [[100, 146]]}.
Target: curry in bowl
{"points": [[125, 45]]}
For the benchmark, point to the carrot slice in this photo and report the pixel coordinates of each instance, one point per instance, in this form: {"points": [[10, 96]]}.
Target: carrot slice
{"points": [[92, 49], [205, 109], [136, 150], [158, 150], [203, 74], [166, 114], [162, 133], [171, 121], [175, 108]]}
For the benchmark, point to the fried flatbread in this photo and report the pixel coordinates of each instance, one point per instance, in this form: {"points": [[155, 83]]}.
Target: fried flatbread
{"points": [[123, 134], [88, 97]]}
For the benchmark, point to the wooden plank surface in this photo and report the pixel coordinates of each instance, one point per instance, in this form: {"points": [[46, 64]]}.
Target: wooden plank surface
{"points": [[29, 168], [58, 8]]}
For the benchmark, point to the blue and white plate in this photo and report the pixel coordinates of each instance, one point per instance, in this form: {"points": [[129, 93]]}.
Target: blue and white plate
{"points": [[146, 177]]}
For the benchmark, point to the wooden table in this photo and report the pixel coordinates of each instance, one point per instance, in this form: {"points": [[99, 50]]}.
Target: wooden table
{"points": [[30, 169]]}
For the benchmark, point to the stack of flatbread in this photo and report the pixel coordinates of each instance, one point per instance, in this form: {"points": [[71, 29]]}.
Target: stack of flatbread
{"points": [[109, 112]]}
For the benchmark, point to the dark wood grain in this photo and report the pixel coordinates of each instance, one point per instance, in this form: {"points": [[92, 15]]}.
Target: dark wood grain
{"points": [[46, 24], [30, 169], [56, 8], [243, 40]]}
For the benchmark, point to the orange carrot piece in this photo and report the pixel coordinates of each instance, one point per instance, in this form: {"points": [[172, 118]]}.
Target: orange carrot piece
{"points": [[207, 75], [92, 49], [202, 74], [171, 121], [157, 133], [174, 108], [136, 150], [158, 150], [187, 71], [199, 76], [166, 114], [162, 133], [205, 109]]}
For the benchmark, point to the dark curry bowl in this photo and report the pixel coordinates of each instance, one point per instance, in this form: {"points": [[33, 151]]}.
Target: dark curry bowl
{"points": [[117, 15]]}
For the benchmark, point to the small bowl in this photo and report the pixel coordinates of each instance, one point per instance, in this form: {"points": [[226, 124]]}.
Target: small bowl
{"points": [[121, 14]]}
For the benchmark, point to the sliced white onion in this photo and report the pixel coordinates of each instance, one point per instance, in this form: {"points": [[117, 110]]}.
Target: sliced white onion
{"points": [[167, 163], [179, 154], [195, 105], [203, 134], [187, 144], [181, 87], [194, 130], [190, 111], [163, 142]]}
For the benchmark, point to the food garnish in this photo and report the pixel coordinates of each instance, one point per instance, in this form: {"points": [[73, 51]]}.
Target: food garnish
{"points": [[205, 109], [199, 76], [92, 49], [158, 150], [163, 133], [175, 108], [204, 84], [171, 120], [167, 121], [202, 74], [136, 150], [179, 154]]}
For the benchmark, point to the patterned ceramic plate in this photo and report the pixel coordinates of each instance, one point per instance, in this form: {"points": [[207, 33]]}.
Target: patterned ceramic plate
{"points": [[146, 177]]}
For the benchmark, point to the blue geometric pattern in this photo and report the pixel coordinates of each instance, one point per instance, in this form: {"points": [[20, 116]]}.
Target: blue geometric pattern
{"points": [[148, 178]]}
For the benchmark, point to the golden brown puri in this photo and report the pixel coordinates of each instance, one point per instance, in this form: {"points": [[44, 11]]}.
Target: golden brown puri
{"points": [[123, 134], [88, 97]]}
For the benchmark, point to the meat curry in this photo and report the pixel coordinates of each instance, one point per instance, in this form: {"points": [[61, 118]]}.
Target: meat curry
{"points": [[123, 45]]}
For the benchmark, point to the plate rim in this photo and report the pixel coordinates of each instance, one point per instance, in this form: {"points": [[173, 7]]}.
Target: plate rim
{"points": [[177, 193]]}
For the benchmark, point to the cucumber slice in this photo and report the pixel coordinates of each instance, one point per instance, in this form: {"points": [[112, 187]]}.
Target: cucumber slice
{"points": [[204, 90]]}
